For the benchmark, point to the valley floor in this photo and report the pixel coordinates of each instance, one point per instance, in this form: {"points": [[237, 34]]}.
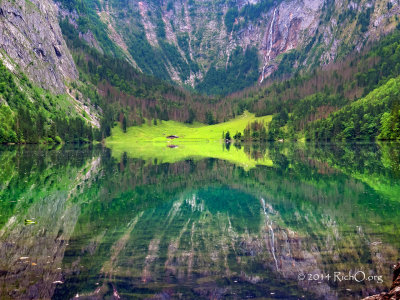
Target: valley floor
{"points": [[185, 132], [150, 142]]}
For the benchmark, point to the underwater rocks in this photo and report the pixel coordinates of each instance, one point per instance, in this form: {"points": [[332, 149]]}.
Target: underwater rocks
{"points": [[394, 292]]}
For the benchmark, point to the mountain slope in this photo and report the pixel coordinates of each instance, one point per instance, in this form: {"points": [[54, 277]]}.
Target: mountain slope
{"points": [[31, 39], [362, 118], [189, 41], [215, 47], [30, 114]]}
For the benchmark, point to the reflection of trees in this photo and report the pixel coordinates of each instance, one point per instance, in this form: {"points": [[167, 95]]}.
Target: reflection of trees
{"points": [[391, 157], [374, 164], [313, 217], [259, 151], [46, 186], [382, 158], [135, 221], [256, 151], [228, 145]]}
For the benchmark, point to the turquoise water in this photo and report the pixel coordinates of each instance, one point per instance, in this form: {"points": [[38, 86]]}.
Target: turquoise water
{"points": [[78, 222]]}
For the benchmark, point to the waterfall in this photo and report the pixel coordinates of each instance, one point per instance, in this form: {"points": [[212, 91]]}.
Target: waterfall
{"points": [[271, 35], [271, 230], [267, 58]]}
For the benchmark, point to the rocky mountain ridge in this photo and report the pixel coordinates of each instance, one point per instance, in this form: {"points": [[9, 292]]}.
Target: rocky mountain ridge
{"points": [[31, 42], [184, 40], [189, 42]]}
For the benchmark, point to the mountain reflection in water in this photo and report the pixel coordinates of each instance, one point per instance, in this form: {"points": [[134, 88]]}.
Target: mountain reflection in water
{"points": [[198, 228]]}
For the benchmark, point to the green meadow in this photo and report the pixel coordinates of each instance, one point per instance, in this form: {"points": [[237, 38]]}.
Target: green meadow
{"points": [[150, 142], [186, 132]]}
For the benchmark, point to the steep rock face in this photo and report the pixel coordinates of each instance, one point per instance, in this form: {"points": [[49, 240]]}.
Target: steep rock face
{"points": [[187, 38], [291, 23], [31, 38], [197, 33]]}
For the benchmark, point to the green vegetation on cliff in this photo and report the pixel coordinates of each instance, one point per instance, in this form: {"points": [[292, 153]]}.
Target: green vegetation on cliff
{"points": [[362, 118], [302, 106], [29, 114], [241, 72]]}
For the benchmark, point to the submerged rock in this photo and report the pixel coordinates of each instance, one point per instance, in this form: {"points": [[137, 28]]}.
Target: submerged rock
{"points": [[394, 292]]}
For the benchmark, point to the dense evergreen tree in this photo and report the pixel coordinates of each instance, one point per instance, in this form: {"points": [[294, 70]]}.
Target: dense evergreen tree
{"points": [[242, 71], [390, 124]]}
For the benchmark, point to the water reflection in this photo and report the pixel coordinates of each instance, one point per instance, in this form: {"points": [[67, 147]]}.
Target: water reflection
{"points": [[198, 228]]}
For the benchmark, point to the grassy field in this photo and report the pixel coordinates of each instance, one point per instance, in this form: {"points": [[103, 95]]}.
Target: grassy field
{"points": [[150, 143], [186, 132]]}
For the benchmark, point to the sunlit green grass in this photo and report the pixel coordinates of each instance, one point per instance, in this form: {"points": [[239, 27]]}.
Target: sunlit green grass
{"points": [[186, 132], [159, 152], [150, 143]]}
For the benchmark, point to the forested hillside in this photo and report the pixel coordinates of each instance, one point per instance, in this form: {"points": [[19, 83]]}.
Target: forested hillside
{"points": [[112, 79], [133, 98], [365, 119], [364, 85], [29, 114], [219, 47], [127, 96]]}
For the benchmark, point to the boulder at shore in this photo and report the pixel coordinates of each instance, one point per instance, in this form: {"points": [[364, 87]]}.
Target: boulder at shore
{"points": [[394, 292]]}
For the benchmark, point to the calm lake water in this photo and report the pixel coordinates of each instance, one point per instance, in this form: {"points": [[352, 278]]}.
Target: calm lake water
{"points": [[287, 223]]}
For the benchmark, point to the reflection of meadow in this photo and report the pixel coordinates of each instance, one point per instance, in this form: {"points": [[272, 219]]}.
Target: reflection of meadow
{"points": [[315, 218], [246, 155]]}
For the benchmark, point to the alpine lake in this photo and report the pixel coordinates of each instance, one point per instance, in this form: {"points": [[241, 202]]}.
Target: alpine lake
{"points": [[259, 221]]}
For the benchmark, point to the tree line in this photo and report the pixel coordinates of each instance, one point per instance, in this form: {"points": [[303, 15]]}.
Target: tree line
{"points": [[29, 114]]}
